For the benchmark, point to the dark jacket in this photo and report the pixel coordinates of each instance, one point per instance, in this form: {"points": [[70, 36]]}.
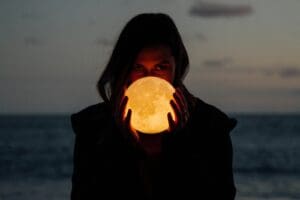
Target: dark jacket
{"points": [[196, 163]]}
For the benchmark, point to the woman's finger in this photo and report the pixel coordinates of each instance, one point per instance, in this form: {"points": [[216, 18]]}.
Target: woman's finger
{"points": [[184, 109], [122, 110], [182, 97], [179, 102], [172, 124], [127, 118], [178, 115]]}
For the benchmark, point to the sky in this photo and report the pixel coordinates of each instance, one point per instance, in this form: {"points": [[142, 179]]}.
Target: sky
{"points": [[244, 54]]}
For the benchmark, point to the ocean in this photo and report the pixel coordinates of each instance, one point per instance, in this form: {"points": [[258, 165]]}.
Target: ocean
{"points": [[36, 157]]}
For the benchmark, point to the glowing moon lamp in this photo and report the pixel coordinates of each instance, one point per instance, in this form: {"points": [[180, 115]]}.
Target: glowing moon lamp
{"points": [[149, 99]]}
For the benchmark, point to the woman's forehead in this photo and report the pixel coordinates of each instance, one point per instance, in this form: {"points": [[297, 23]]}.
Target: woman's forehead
{"points": [[159, 52]]}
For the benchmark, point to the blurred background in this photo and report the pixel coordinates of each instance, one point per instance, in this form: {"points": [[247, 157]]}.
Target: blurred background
{"points": [[244, 59]]}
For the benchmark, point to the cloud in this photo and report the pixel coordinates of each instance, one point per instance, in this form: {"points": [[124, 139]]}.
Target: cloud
{"points": [[200, 36], [33, 41], [289, 72], [195, 37], [92, 21], [295, 91], [217, 63], [210, 10], [283, 72], [103, 42], [31, 15]]}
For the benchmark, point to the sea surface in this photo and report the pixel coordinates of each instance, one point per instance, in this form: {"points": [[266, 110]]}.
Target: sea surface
{"points": [[36, 157]]}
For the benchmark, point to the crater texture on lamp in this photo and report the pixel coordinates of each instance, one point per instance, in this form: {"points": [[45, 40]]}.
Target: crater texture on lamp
{"points": [[149, 99]]}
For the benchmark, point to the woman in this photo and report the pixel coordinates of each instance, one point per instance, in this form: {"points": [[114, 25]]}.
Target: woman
{"points": [[192, 159]]}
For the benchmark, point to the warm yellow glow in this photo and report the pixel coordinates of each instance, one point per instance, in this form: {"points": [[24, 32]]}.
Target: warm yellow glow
{"points": [[149, 99]]}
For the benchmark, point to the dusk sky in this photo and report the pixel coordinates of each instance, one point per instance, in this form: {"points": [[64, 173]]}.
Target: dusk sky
{"points": [[244, 54]]}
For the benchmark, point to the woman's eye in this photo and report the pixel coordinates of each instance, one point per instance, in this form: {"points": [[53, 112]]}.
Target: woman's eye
{"points": [[160, 67], [137, 68]]}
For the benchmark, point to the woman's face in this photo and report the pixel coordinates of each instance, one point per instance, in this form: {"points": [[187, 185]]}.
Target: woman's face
{"points": [[154, 61]]}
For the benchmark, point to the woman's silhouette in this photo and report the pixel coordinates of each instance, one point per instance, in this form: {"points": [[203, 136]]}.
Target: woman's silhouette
{"points": [[191, 160]]}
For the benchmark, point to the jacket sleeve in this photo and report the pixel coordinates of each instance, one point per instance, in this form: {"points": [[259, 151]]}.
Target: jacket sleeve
{"points": [[82, 152], [213, 153], [202, 167], [222, 168], [90, 127], [221, 157]]}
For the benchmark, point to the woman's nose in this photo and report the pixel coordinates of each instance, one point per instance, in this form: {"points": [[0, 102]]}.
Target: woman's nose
{"points": [[149, 72]]}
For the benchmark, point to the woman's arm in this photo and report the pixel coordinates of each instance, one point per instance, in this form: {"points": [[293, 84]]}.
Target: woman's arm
{"points": [[82, 173]]}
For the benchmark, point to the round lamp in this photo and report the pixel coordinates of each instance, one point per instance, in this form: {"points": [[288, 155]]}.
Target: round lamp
{"points": [[149, 99]]}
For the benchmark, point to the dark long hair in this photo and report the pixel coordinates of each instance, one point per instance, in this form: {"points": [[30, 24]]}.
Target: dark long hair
{"points": [[143, 30]]}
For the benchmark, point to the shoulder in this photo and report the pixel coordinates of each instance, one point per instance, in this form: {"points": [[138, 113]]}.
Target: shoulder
{"points": [[88, 117], [94, 110], [213, 116]]}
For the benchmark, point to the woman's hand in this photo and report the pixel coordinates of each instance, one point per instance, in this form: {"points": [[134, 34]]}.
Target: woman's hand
{"points": [[181, 109], [124, 121]]}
